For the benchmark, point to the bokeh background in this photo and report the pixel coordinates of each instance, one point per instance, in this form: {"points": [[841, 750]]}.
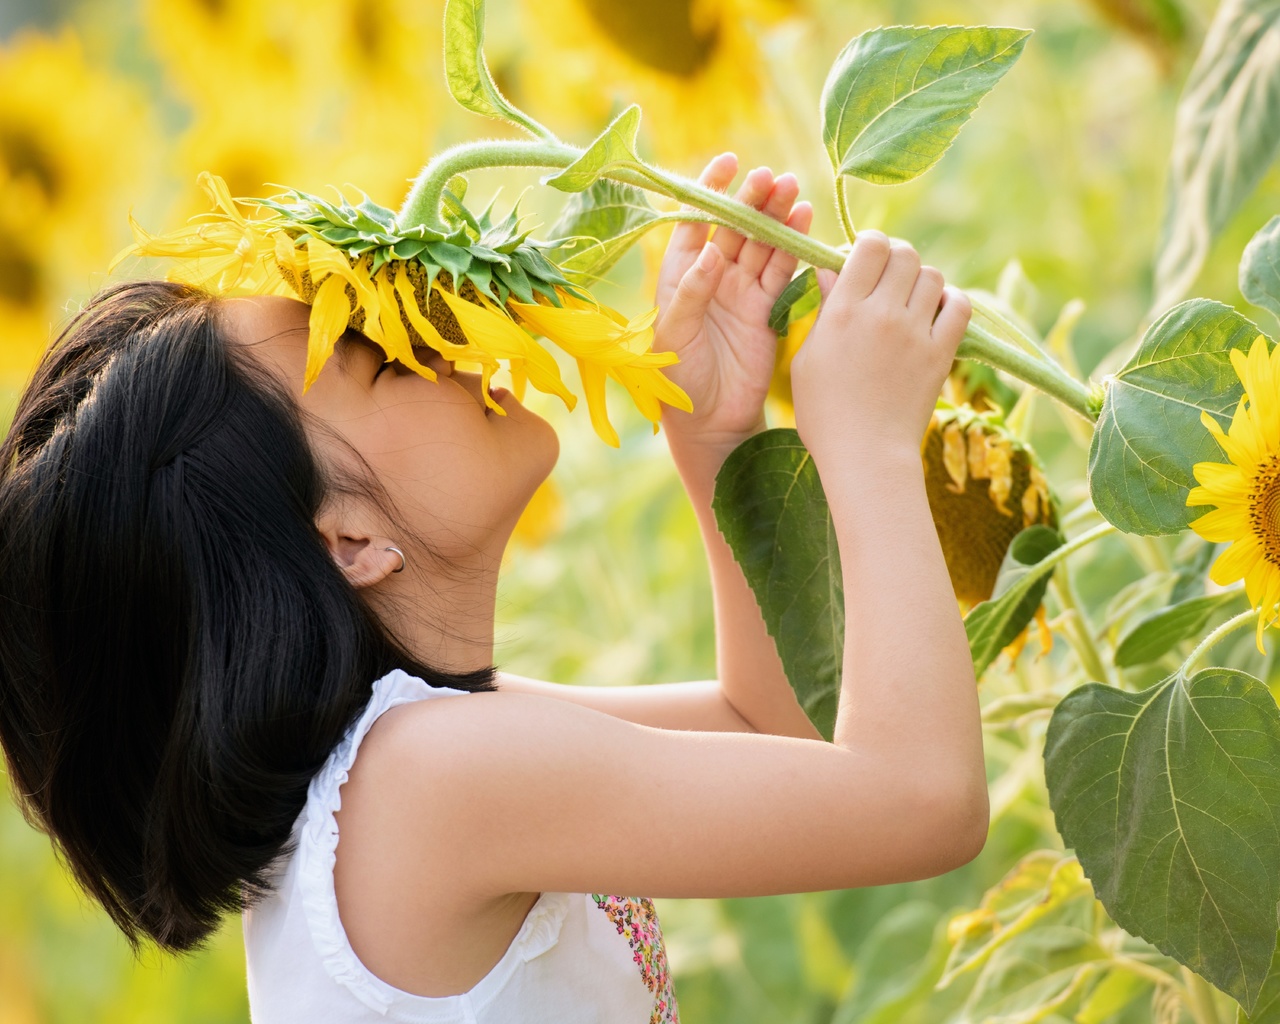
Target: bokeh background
{"points": [[113, 106]]}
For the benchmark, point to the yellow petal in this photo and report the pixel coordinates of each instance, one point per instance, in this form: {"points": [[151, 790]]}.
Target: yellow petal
{"points": [[593, 389], [1222, 524], [330, 311], [1219, 476], [395, 339], [1235, 563]]}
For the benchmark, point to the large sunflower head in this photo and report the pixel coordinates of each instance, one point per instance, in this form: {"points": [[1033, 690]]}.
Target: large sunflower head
{"points": [[476, 294], [984, 486], [1246, 490]]}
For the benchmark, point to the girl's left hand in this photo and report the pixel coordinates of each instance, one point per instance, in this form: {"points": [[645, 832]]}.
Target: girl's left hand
{"points": [[714, 299]]}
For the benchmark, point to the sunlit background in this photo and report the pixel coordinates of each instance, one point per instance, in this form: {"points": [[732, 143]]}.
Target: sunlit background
{"points": [[114, 106]]}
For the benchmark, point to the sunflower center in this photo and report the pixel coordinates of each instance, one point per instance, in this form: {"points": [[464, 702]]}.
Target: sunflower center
{"points": [[1264, 508], [660, 33], [19, 278], [24, 154]]}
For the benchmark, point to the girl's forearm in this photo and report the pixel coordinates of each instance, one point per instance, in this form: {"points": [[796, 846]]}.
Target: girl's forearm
{"points": [[750, 672], [908, 692]]}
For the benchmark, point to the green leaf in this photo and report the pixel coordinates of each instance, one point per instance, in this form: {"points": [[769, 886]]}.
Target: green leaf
{"points": [[613, 148], [1019, 589], [1149, 435], [1171, 799], [1159, 632], [1226, 134], [1260, 268], [897, 97], [1036, 887], [771, 509], [599, 224], [799, 298], [1112, 994], [1042, 972], [1267, 1009], [467, 72]]}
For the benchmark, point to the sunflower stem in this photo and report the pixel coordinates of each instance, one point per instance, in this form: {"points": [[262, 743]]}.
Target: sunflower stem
{"points": [[1230, 626], [842, 208], [1078, 631], [422, 206]]}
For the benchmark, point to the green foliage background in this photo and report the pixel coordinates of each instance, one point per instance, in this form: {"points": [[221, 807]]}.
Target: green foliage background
{"points": [[1063, 170]]}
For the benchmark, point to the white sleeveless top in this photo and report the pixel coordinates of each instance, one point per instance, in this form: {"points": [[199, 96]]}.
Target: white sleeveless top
{"points": [[578, 958]]}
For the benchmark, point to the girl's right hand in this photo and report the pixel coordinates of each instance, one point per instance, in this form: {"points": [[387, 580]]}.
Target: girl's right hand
{"points": [[871, 369]]}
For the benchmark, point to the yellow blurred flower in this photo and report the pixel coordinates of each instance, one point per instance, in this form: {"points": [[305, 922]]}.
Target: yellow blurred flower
{"points": [[694, 66], [469, 295], [1246, 490], [73, 138]]}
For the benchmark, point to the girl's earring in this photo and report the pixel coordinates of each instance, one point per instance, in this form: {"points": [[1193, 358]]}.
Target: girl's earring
{"points": [[403, 563]]}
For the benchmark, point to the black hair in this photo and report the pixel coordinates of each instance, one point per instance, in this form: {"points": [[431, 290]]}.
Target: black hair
{"points": [[179, 652]]}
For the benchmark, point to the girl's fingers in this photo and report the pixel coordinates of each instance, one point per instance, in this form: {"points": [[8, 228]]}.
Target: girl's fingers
{"points": [[754, 192], [927, 293], [777, 272], [953, 318], [862, 269], [754, 255], [688, 239], [900, 275]]}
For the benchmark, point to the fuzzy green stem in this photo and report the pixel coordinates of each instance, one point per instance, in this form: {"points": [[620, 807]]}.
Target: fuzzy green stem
{"points": [[842, 208], [1230, 626], [1078, 631], [422, 206]]}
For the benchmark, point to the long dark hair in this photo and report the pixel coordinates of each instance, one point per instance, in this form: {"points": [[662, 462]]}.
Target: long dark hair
{"points": [[178, 651]]}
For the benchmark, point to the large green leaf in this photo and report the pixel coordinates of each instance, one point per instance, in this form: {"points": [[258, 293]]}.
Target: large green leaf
{"points": [[1260, 268], [897, 965], [771, 509], [1171, 799], [599, 224], [613, 148], [1149, 435], [897, 97], [467, 72], [1226, 134], [1158, 632], [1019, 589]]}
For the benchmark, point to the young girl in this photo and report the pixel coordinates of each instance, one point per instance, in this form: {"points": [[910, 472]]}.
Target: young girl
{"points": [[246, 647]]}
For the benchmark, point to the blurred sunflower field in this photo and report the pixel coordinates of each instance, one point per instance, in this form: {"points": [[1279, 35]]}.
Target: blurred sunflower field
{"points": [[1127, 163]]}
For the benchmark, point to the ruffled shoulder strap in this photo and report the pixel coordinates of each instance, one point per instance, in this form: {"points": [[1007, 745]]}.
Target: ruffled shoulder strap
{"points": [[316, 854]]}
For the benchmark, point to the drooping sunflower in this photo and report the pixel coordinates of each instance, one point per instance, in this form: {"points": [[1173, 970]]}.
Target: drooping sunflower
{"points": [[477, 294], [984, 485], [1246, 490]]}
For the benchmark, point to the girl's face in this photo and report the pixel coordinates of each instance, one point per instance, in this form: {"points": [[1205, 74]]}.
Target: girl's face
{"points": [[458, 472]]}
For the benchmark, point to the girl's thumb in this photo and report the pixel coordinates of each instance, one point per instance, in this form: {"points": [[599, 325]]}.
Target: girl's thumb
{"points": [[694, 293]]}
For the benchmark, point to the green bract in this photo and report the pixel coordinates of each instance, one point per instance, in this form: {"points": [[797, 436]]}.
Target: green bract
{"points": [[499, 259]]}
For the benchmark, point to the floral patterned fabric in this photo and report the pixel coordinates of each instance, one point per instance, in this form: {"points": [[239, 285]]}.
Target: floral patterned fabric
{"points": [[636, 920]]}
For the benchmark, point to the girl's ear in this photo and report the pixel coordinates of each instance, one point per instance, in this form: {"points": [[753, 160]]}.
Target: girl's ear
{"points": [[363, 558]]}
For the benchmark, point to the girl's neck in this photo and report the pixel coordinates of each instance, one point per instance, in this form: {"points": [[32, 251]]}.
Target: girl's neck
{"points": [[447, 623]]}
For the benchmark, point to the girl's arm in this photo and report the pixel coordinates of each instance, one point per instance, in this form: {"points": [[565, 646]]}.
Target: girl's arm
{"points": [[514, 793], [715, 298]]}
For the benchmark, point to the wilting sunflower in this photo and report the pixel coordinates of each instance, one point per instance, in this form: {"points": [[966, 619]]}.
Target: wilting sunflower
{"points": [[1246, 491], [984, 486], [473, 294]]}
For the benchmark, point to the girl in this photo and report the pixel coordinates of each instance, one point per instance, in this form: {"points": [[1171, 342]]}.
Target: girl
{"points": [[217, 592]]}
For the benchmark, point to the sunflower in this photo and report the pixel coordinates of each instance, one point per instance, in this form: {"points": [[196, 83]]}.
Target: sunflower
{"points": [[984, 486], [694, 66], [474, 294], [1246, 490]]}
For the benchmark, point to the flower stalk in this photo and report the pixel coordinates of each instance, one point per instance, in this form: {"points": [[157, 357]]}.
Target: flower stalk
{"points": [[1228, 627], [422, 206]]}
